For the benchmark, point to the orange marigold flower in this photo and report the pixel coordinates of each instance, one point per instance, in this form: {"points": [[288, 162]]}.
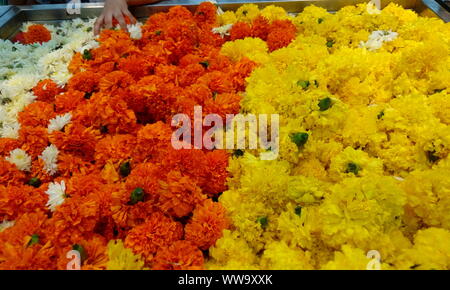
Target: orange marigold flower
{"points": [[240, 30], [10, 175], [281, 34], [68, 101], [217, 161], [33, 139], [69, 165], [158, 231], [189, 74], [85, 81], [260, 27], [37, 33], [205, 15], [115, 81], [76, 139], [83, 185], [128, 212], [181, 255], [136, 65], [145, 176], [17, 249], [74, 219], [37, 114], [115, 149], [7, 145], [207, 224], [17, 200], [152, 141], [46, 90], [178, 195], [180, 14]]}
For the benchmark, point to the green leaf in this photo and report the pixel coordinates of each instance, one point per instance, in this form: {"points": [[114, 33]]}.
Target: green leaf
{"points": [[298, 210], [125, 169], [35, 182], [320, 20], [205, 63], [34, 240], [299, 138], [324, 104], [352, 168], [263, 221], [238, 153], [431, 156], [87, 54], [303, 84], [330, 43], [136, 196], [104, 129]]}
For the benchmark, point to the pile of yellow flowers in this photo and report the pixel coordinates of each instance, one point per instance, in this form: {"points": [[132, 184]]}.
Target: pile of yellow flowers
{"points": [[364, 144]]}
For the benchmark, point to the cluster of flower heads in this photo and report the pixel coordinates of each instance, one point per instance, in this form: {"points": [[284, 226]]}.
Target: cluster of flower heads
{"points": [[363, 98], [22, 66], [36, 33], [93, 169]]}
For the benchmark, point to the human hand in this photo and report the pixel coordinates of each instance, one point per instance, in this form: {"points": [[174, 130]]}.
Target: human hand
{"points": [[116, 9]]}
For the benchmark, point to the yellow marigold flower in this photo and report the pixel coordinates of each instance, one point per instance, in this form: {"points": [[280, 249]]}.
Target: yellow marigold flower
{"points": [[121, 258], [351, 162], [231, 253], [247, 12], [359, 209], [350, 258], [428, 195], [253, 48], [272, 12], [431, 250], [279, 256], [228, 17]]}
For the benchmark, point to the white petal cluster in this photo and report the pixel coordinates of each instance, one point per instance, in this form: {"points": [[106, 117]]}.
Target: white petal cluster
{"points": [[20, 158], [223, 30], [135, 31], [377, 38], [56, 194], [6, 224], [50, 158], [59, 122]]}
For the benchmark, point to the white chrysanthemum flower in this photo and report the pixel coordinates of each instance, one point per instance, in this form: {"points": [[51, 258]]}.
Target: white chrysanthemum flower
{"points": [[372, 8], [50, 158], [223, 30], [59, 122], [20, 158], [377, 38], [10, 130], [135, 31], [91, 44], [6, 224], [56, 194]]}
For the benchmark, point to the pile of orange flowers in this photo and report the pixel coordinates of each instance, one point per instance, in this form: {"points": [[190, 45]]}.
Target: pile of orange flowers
{"points": [[278, 33], [120, 176], [36, 33]]}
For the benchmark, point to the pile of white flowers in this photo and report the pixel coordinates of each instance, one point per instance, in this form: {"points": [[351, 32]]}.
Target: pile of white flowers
{"points": [[23, 66]]}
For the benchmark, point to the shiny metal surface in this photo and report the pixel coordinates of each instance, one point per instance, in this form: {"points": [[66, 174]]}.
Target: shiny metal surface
{"points": [[12, 17]]}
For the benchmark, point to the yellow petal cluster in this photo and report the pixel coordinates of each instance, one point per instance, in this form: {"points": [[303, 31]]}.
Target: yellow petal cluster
{"points": [[374, 171]]}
